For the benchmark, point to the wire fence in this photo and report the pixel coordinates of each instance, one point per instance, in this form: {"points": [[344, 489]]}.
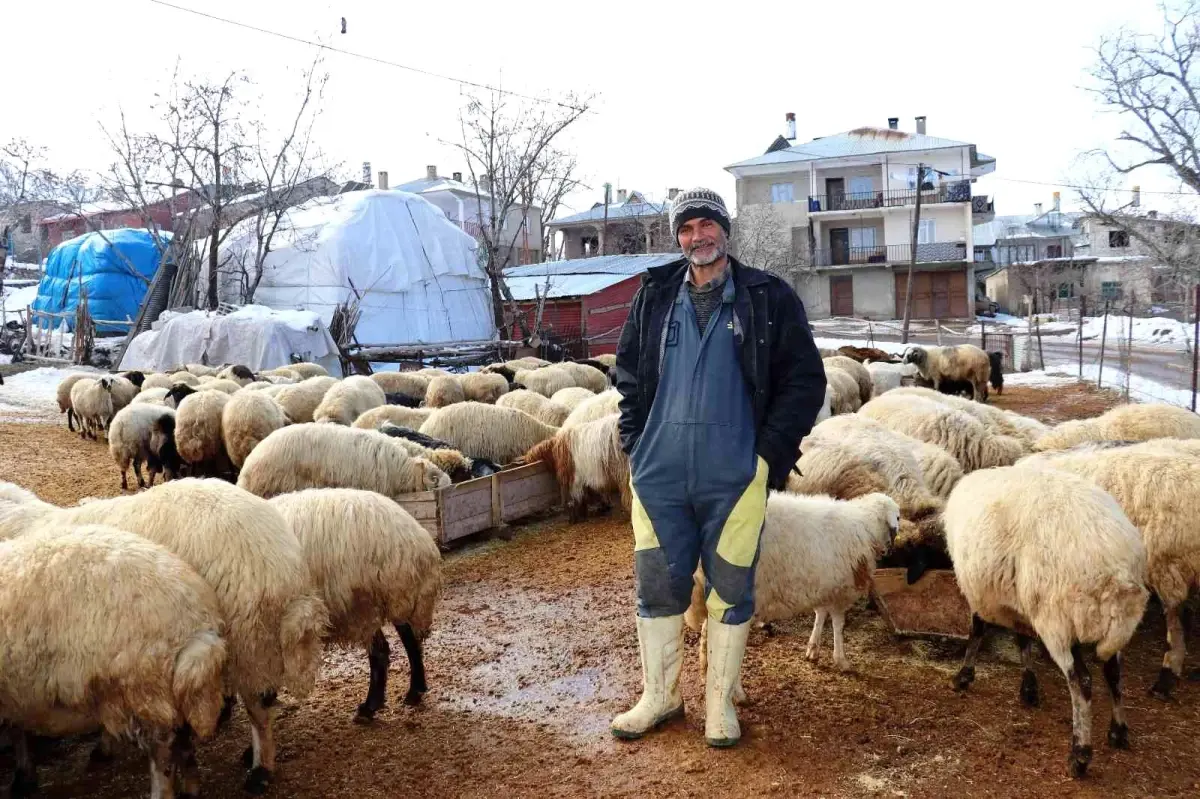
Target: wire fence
{"points": [[1144, 358]]}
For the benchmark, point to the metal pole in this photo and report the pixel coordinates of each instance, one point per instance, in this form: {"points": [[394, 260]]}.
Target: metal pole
{"points": [[1195, 345], [1129, 351], [1082, 314], [1038, 328], [1103, 335], [912, 261]]}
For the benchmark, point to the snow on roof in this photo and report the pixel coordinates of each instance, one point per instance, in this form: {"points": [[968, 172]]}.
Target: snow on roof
{"points": [[860, 141], [580, 276], [616, 212]]}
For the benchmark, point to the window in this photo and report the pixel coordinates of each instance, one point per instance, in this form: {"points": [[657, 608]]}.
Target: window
{"points": [[1118, 238], [925, 232], [1111, 289], [1054, 251], [1066, 291], [928, 181], [863, 237], [781, 193], [862, 185]]}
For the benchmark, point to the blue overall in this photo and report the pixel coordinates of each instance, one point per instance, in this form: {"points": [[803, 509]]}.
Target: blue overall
{"points": [[699, 489]]}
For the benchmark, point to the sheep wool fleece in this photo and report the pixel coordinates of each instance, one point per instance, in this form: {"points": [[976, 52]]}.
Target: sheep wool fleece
{"points": [[699, 488]]}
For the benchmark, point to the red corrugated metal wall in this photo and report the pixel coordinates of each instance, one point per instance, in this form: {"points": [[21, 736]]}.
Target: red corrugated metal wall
{"points": [[563, 316], [605, 312]]}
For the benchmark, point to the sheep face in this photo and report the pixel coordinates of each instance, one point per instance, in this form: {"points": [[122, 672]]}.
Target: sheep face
{"points": [[432, 478], [242, 372], [916, 356], [105, 383], [162, 444], [178, 392], [135, 377]]}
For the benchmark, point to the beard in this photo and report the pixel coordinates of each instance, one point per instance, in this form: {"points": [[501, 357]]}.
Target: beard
{"points": [[716, 250]]}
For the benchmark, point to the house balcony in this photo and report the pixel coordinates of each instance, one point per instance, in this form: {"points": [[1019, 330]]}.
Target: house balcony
{"points": [[958, 191], [983, 209], [892, 254]]}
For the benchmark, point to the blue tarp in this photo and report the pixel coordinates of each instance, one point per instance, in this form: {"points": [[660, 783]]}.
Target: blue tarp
{"points": [[110, 266]]}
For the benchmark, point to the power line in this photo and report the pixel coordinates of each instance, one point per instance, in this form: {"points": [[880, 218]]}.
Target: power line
{"points": [[372, 58], [1096, 188]]}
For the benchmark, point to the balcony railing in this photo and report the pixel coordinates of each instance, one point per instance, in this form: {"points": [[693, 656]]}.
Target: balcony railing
{"points": [[958, 191], [982, 204], [933, 252]]}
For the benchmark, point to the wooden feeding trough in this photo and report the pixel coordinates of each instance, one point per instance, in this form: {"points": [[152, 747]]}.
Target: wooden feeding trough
{"points": [[484, 503], [932, 605]]}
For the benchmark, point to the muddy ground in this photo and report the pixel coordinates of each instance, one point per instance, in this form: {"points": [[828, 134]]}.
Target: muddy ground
{"points": [[534, 650]]}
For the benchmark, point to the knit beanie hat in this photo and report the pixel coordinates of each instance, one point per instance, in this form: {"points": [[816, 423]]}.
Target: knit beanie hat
{"points": [[698, 203]]}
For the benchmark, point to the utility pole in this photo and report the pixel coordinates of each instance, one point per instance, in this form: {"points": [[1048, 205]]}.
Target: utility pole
{"points": [[604, 229], [912, 261]]}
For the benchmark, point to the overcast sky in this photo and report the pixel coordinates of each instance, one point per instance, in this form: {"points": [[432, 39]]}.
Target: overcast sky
{"points": [[682, 90]]}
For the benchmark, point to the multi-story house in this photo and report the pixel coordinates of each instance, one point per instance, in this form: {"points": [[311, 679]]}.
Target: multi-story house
{"points": [[632, 225], [847, 202], [469, 207]]}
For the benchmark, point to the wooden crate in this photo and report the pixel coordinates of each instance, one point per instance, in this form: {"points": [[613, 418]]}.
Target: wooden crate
{"points": [[484, 503], [932, 605]]}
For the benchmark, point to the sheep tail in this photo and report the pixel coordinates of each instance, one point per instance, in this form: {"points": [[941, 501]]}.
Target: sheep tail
{"points": [[197, 681], [301, 633]]}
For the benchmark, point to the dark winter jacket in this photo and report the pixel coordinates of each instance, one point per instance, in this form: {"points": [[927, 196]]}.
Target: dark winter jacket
{"points": [[779, 360]]}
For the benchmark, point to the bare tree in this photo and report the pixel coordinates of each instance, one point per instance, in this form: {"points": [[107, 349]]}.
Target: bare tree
{"points": [[761, 239], [508, 147]]}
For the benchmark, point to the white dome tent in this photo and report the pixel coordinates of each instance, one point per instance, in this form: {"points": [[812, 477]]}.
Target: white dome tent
{"points": [[416, 272]]}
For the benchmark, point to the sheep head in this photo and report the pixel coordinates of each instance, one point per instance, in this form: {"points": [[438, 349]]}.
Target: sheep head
{"points": [[242, 372], [105, 383], [916, 356], [135, 377], [432, 478]]}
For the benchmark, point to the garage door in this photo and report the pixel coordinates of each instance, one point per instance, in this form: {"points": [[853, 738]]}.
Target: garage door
{"points": [[936, 295], [841, 295]]}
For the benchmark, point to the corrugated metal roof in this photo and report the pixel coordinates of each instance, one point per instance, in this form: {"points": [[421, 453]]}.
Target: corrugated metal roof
{"points": [[861, 141], [579, 276], [1028, 226], [435, 184], [616, 212]]}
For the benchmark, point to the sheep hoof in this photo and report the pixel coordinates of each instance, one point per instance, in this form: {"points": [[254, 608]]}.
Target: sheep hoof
{"points": [[1077, 762], [413, 697], [1165, 684], [844, 665], [964, 678], [248, 757], [811, 654], [1118, 735], [24, 783], [258, 781], [99, 759], [1029, 690], [365, 714]]}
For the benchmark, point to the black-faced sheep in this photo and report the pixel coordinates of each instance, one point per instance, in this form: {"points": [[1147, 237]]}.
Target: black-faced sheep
{"points": [[237, 373], [587, 461], [131, 441], [486, 431], [1050, 555], [459, 467], [142, 657], [964, 362], [374, 565]]}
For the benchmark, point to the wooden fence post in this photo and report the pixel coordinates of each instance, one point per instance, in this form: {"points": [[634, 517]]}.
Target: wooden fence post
{"points": [[1103, 337]]}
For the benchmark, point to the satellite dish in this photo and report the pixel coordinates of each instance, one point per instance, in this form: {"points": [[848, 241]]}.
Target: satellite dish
{"points": [[343, 24]]}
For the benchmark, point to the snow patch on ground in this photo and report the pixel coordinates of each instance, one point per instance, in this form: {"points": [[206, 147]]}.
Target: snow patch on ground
{"points": [[1153, 331], [893, 347], [31, 396], [1040, 377], [18, 297]]}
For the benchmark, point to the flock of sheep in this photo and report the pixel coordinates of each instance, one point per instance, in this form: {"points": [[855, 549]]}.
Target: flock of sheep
{"points": [[227, 588]]}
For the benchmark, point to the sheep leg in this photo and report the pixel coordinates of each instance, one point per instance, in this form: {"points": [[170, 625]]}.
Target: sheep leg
{"points": [[966, 674], [226, 711], [379, 655], [1118, 729], [814, 640], [262, 738], [137, 470], [187, 769], [25, 782], [416, 664], [1172, 666], [103, 753], [162, 770], [839, 649], [1029, 684], [1079, 680], [71, 420], [125, 477]]}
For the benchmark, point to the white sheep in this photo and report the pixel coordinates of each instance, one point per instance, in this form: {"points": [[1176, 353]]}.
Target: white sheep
{"points": [[846, 396], [157, 380], [123, 391], [308, 370], [348, 399], [200, 370], [130, 442], [817, 554], [457, 466], [185, 378], [198, 435], [541, 408], [889, 376], [1132, 422], [964, 362], [410, 384], [63, 395], [856, 370], [248, 418], [244, 549], [487, 431], [152, 396], [91, 402], [331, 456], [826, 410], [432, 372], [587, 460], [374, 565], [443, 391], [300, 401], [224, 386], [597, 407], [995, 420], [1156, 488], [140, 656], [955, 431], [573, 397], [483, 386], [1050, 555], [545, 381], [583, 375], [411, 418]]}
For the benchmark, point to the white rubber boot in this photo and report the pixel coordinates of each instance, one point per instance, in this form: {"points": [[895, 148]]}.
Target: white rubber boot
{"points": [[661, 643], [726, 646]]}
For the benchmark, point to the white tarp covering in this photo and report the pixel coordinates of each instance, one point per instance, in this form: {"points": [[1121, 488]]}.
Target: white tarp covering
{"points": [[416, 271], [255, 336]]}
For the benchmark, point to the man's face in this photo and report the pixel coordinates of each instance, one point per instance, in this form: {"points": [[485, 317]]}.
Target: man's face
{"points": [[702, 241]]}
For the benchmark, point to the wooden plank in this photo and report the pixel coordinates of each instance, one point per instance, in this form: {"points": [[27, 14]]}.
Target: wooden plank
{"points": [[931, 606], [527, 490], [466, 508]]}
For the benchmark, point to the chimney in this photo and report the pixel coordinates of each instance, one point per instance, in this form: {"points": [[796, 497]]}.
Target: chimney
{"points": [[621, 195], [457, 176], [1037, 209], [431, 172], [921, 125], [383, 184], [1152, 214], [1137, 197], [485, 183], [672, 194], [366, 175], [893, 123], [790, 127], [1057, 201]]}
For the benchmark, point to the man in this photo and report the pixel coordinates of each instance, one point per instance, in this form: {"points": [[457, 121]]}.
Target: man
{"points": [[719, 380]]}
